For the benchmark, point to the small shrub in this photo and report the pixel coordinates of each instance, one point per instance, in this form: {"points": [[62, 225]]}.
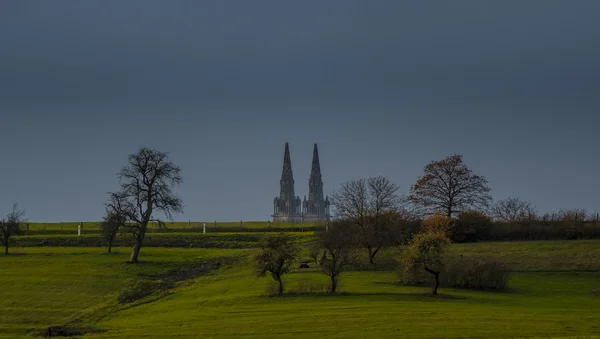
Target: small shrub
{"points": [[272, 289], [479, 273]]}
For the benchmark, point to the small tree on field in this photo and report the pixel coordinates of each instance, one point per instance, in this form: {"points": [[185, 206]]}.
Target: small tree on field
{"points": [[426, 251], [450, 186], [339, 251], [367, 205], [111, 224], [10, 226], [278, 254], [146, 183]]}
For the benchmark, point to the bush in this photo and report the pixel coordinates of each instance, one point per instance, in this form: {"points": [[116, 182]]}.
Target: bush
{"points": [[470, 226], [272, 289], [479, 273]]}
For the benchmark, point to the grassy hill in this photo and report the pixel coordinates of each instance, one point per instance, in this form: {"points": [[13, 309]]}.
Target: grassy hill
{"points": [[550, 295]]}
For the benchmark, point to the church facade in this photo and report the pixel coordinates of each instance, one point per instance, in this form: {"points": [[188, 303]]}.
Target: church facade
{"points": [[288, 207]]}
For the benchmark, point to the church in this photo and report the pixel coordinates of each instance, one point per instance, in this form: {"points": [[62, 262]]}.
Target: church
{"points": [[288, 207]]}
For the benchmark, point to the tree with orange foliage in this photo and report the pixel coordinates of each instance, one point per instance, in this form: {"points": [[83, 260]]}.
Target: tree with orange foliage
{"points": [[426, 252], [437, 223]]}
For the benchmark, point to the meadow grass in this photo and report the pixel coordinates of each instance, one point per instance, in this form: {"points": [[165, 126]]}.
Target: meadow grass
{"points": [[44, 286], [171, 239], [550, 295], [94, 225]]}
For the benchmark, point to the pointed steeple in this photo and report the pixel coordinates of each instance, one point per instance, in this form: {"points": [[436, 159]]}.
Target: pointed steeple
{"points": [[315, 183], [287, 162], [315, 172], [287, 179]]}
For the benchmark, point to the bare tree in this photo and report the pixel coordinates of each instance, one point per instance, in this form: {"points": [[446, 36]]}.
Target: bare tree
{"points": [[367, 205], [10, 226], [338, 244], [450, 186], [146, 183], [513, 210], [278, 254], [112, 223]]}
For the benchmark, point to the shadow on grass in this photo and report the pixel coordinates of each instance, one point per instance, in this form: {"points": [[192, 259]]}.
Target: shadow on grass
{"points": [[64, 331], [401, 295], [507, 290], [10, 254]]}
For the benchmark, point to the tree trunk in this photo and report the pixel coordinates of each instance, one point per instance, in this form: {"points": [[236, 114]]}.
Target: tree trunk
{"points": [[372, 254], [280, 286], [6, 247], [139, 240], [109, 246], [136, 251], [333, 284], [436, 275]]}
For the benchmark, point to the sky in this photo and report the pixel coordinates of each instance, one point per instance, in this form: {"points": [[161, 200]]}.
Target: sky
{"points": [[383, 87]]}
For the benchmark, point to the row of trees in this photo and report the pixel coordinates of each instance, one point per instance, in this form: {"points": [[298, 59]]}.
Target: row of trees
{"points": [[425, 251], [280, 252], [381, 216]]}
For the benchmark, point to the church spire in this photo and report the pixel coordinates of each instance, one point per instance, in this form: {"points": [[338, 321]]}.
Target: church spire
{"points": [[315, 172], [315, 182], [286, 183], [287, 163]]}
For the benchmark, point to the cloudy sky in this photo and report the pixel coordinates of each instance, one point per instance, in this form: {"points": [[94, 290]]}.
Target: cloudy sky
{"points": [[383, 87]]}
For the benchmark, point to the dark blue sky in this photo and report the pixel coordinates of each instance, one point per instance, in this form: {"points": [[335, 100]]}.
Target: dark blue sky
{"points": [[383, 87]]}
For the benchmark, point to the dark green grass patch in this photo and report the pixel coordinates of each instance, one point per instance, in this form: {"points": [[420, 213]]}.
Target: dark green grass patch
{"points": [[42, 287], [183, 240]]}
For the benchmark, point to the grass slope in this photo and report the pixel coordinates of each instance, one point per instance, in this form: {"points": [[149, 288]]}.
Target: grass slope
{"points": [[550, 296], [45, 286]]}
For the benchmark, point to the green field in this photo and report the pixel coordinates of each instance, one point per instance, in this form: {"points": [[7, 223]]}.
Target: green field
{"points": [[550, 295], [94, 225]]}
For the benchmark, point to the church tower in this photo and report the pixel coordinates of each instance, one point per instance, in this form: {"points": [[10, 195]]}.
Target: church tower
{"points": [[316, 208], [287, 207]]}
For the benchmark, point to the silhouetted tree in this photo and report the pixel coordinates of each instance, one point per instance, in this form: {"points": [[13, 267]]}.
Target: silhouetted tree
{"points": [[9, 226], [278, 254], [368, 204], [113, 221], [450, 186], [146, 183], [513, 210], [339, 251]]}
